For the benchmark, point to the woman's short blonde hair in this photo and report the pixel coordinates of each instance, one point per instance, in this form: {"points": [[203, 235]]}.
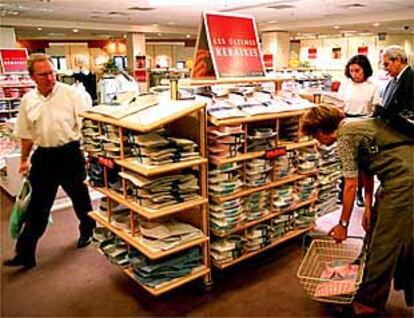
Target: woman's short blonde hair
{"points": [[322, 118]]}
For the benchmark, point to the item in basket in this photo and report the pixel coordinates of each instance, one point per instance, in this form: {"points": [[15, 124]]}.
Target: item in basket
{"points": [[341, 276]]}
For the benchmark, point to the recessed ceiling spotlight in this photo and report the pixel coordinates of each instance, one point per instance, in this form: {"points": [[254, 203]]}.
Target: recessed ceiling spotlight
{"points": [[159, 34], [155, 25], [75, 30], [272, 21], [336, 27], [125, 36], [39, 29], [376, 24], [188, 36]]}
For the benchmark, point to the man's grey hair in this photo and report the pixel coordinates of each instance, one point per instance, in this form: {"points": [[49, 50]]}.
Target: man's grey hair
{"points": [[37, 57], [394, 51]]}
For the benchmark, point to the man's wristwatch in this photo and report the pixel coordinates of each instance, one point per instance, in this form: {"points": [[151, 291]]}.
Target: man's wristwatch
{"points": [[343, 223]]}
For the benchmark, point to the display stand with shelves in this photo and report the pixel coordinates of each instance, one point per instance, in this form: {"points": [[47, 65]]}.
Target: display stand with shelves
{"points": [[248, 218], [182, 120]]}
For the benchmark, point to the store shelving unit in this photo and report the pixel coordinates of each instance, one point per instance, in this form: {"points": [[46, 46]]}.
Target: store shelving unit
{"points": [[188, 123], [8, 109], [274, 120]]}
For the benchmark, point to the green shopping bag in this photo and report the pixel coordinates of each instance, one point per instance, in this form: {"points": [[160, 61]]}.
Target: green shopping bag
{"points": [[19, 209]]}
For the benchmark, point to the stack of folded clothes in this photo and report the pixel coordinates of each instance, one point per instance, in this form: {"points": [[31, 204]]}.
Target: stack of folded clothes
{"points": [[225, 181], [257, 205], [95, 172], [156, 148], [282, 224], [114, 180], [289, 129], [91, 141], [306, 188], [111, 141], [226, 216], [112, 247], [114, 206], [258, 172], [283, 197], [304, 217], [225, 141], [167, 235], [308, 160], [122, 220], [260, 139], [228, 249], [258, 237], [156, 273], [329, 178], [222, 109], [160, 192], [285, 165]]}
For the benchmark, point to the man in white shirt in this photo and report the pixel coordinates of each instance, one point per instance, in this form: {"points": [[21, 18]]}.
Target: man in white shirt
{"points": [[48, 121]]}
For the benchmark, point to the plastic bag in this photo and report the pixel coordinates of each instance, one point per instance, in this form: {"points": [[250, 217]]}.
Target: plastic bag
{"points": [[19, 209]]}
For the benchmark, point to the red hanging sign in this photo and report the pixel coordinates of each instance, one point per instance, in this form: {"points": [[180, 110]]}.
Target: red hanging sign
{"points": [[227, 46], [312, 53], [363, 50], [268, 60], [13, 60]]}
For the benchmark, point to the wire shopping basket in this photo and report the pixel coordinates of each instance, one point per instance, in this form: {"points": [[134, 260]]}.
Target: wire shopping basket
{"points": [[320, 281]]}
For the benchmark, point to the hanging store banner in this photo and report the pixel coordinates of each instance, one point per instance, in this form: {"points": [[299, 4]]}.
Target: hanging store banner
{"points": [[13, 60], [363, 50], [312, 53], [227, 46], [268, 60]]}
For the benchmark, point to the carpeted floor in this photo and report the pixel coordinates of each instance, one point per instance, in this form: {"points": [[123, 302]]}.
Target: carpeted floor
{"points": [[68, 282]]}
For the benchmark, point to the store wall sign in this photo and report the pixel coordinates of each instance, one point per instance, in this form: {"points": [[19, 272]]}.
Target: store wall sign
{"points": [[13, 60], [363, 50], [312, 53], [227, 46], [268, 60]]}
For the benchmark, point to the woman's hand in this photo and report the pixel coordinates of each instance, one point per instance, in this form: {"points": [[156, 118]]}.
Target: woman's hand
{"points": [[338, 233]]}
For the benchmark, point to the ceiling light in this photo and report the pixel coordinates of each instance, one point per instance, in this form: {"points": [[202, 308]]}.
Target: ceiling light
{"points": [[140, 8], [272, 21], [75, 30], [353, 6], [171, 23], [336, 27], [188, 36], [376, 24], [39, 29], [125, 36], [159, 34]]}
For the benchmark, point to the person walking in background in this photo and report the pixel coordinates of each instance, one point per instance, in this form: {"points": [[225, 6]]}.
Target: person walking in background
{"points": [[359, 96], [372, 146], [48, 120], [397, 104]]}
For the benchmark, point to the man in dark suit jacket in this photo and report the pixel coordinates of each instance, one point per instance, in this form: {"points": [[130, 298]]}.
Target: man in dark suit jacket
{"points": [[397, 108]]}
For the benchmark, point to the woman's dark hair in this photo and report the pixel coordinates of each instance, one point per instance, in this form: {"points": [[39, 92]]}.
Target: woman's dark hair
{"points": [[362, 61]]}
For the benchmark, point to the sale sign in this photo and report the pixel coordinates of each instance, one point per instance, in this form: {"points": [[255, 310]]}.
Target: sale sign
{"points": [[228, 46], [312, 53], [268, 60], [13, 60], [363, 50]]}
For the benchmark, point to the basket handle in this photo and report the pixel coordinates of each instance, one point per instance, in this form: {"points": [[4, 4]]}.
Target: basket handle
{"points": [[310, 236]]}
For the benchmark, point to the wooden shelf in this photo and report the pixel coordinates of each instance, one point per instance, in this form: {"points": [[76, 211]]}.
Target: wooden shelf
{"points": [[288, 236], [258, 154], [268, 186], [16, 85], [131, 164], [10, 98], [151, 213], [165, 287], [230, 80], [267, 217], [133, 241], [255, 118]]}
